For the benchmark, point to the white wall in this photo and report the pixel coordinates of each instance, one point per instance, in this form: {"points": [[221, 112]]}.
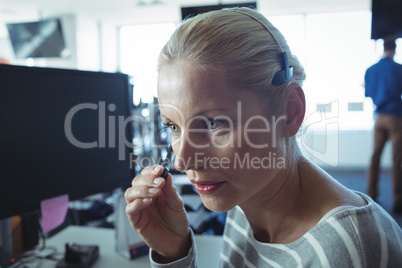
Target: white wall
{"points": [[343, 149], [109, 47], [88, 44]]}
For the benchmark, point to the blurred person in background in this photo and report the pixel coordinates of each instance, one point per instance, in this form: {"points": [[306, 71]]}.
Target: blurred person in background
{"points": [[383, 84]]}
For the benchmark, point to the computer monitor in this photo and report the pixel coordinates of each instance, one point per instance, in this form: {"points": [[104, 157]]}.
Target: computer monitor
{"points": [[386, 19], [38, 39], [62, 132], [191, 11]]}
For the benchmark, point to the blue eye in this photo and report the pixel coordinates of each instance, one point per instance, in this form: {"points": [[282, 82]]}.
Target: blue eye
{"points": [[214, 124]]}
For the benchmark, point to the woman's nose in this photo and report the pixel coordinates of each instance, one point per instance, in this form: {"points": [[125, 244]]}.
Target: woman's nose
{"points": [[189, 152]]}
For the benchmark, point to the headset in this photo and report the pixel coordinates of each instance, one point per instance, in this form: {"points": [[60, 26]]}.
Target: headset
{"points": [[284, 75]]}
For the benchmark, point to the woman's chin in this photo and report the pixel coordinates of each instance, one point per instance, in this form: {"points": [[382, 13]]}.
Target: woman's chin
{"points": [[216, 205]]}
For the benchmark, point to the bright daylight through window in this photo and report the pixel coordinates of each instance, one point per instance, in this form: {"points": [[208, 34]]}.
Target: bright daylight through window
{"points": [[334, 48]]}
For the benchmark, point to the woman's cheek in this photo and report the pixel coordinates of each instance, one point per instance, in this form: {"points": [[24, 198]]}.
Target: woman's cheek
{"points": [[222, 139]]}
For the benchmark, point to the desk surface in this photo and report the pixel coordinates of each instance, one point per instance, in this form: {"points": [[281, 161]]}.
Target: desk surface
{"points": [[208, 248]]}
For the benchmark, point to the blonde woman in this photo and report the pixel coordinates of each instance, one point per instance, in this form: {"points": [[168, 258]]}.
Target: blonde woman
{"points": [[231, 92]]}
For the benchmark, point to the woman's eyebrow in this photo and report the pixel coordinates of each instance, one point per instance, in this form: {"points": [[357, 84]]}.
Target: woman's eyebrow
{"points": [[165, 118], [207, 111], [200, 113]]}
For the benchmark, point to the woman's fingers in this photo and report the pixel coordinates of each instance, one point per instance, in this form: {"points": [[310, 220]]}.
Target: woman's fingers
{"points": [[147, 185], [142, 192], [152, 170], [172, 197], [145, 189], [134, 208], [156, 211]]}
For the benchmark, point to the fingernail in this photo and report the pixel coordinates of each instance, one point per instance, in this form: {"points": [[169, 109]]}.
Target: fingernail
{"points": [[158, 181], [156, 169], [146, 200], [153, 190]]}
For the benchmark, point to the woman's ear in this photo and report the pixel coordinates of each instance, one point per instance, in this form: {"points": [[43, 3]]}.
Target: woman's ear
{"points": [[295, 109]]}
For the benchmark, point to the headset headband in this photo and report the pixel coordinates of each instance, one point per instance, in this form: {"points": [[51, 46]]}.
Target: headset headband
{"points": [[286, 73]]}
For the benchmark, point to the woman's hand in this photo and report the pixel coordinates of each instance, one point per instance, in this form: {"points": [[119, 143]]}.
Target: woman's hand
{"points": [[156, 212]]}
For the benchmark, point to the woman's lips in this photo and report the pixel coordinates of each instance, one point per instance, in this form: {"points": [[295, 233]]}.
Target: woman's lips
{"points": [[204, 187]]}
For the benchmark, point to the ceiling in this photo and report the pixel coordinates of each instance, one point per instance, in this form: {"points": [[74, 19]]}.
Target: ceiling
{"points": [[17, 10]]}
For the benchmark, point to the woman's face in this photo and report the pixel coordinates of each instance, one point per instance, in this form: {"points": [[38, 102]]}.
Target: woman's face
{"points": [[225, 138]]}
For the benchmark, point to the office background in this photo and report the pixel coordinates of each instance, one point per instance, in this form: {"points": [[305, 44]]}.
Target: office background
{"points": [[331, 38]]}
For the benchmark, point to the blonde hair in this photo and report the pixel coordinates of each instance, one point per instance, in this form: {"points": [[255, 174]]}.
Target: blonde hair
{"points": [[235, 43], [246, 47]]}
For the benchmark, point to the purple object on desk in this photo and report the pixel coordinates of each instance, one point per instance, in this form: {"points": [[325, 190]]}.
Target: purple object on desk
{"points": [[54, 211]]}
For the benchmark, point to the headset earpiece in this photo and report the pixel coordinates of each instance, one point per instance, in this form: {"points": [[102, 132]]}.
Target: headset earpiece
{"points": [[285, 74]]}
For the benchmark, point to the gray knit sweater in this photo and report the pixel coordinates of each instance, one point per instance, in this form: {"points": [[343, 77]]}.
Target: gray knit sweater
{"points": [[346, 237]]}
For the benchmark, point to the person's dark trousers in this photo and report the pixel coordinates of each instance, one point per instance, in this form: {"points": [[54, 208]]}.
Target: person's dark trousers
{"points": [[387, 127]]}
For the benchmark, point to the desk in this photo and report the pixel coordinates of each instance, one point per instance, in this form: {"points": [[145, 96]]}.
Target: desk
{"points": [[208, 248]]}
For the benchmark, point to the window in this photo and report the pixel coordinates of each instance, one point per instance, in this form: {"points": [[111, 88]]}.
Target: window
{"points": [[139, 50], [335, 50]]}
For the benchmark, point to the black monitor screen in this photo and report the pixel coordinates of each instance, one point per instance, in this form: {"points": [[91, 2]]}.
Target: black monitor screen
{"points": [[386, 19], [37, 39], [62, 132], [188, 12]]}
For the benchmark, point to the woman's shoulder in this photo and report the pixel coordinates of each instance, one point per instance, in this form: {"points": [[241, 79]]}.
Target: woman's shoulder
{"points": [[362, 236], [368, 233], [371, 211], [359, 219]]}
